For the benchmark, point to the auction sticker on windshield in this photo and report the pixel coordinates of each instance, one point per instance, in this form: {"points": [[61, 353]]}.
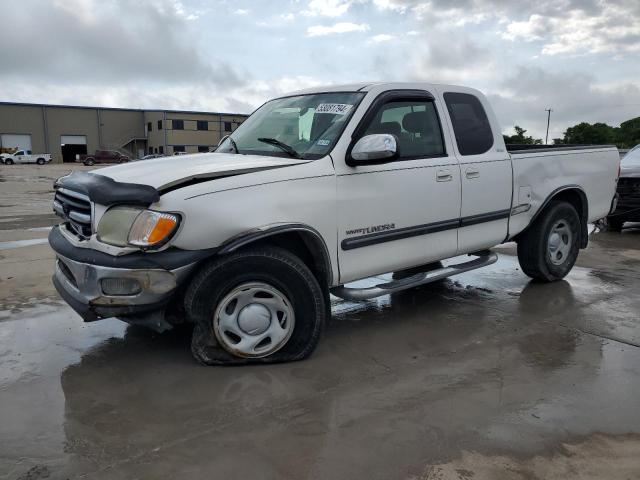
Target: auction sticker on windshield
{"points": [[334, 108]]}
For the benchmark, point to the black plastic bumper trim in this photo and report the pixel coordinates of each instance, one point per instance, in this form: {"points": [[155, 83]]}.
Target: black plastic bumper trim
{"points": [[169, 259]]}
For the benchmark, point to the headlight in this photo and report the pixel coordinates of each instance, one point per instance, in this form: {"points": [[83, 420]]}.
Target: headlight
{"points": [[122, 226]]}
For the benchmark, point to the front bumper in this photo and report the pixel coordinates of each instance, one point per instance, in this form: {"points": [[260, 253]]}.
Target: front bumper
{"points": [[80, 285], [79, 275], [628, 206]]}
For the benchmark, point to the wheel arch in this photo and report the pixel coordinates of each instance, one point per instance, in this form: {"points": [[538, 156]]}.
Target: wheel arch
{"points": [[574, 195], [302, 240]]}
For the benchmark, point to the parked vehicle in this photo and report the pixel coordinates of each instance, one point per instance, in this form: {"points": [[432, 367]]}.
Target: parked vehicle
{"points": [[314, 191], [628, 207], [103, 156], [25, 156]]}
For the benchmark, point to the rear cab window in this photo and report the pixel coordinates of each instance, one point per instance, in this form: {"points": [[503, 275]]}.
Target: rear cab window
{"points": [[470, 123]]}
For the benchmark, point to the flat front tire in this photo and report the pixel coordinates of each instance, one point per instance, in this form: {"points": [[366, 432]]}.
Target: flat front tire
{"points": [[257, 306], [548, 250]]}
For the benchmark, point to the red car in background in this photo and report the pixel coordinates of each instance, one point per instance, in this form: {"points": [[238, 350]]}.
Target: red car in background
{"points": [[103, 156]]}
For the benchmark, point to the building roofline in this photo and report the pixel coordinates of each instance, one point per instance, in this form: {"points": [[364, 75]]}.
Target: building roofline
{"points": [[88, 107]]}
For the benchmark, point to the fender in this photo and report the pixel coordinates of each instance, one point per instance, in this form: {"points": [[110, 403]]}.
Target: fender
{"points": [[584, 238], [254, 235]]}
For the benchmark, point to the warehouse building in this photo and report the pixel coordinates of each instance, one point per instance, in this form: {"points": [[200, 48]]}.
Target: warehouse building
{"points": [[66, 131]]}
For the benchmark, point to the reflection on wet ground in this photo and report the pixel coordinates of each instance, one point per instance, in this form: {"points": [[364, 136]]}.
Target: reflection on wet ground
{"points": [[487, 362]]}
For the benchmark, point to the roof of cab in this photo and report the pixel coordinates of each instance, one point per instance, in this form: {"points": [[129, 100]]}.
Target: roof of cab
{"points": [[365, 87]]}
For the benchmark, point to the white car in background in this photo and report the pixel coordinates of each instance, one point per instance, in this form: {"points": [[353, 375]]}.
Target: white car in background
{"points": [[628, 207], [25, 156]]}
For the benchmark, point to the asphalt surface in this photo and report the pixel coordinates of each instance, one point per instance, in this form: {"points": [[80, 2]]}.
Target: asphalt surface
{"points": [[486, 375]]}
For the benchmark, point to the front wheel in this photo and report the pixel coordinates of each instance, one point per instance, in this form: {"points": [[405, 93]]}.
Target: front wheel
{"points": [[89, 162], [256, 306], [548, 250]]}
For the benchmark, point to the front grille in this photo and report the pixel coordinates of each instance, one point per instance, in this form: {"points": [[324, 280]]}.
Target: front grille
{"points": [[75, 208], [629, 186]]}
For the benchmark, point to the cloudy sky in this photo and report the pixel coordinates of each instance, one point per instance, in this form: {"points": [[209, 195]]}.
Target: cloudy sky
{"points": [[579, 57]]}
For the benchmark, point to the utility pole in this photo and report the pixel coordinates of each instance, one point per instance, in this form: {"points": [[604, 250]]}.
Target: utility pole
{"points": [[546, 138]]}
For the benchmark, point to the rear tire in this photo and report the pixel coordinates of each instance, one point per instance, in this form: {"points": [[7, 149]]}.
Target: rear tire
{"points": [[8, 161], [40, 161], [255, 306], [89, 162], [548, 249]]}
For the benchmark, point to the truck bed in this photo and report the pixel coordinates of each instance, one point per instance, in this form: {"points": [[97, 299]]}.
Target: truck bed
{"points": [[540, 171]]}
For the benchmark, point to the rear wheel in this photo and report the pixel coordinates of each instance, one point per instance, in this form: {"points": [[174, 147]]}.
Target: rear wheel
{"points": [[8, 161], [256, 306], [89, 162], [40, 161], [548, 250]]}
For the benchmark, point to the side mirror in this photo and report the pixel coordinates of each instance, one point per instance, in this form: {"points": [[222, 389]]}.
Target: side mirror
{"points": [[375, 148], [223, 139]]}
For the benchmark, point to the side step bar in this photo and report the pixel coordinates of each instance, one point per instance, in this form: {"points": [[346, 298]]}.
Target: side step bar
{"points": [[484, 258]]}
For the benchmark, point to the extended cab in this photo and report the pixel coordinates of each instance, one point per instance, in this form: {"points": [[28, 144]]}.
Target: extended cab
{"points": [[314, 191], [25, 156]]}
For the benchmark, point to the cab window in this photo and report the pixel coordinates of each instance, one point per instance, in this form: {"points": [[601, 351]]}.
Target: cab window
{"points": [[470, 123], [415, 125]]}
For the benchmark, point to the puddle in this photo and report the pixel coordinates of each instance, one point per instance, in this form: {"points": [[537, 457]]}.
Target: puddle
{"points": [[22, 243]]}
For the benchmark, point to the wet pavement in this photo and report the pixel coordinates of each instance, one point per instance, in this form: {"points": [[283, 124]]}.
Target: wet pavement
{"points": [[484, 375]]}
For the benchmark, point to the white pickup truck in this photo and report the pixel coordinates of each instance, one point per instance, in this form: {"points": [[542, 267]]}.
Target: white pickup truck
{"points": [[314, 191], [25, 156]]}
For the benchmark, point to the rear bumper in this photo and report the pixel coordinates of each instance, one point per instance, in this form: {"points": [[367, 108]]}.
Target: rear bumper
{"points": [[80, 274]]}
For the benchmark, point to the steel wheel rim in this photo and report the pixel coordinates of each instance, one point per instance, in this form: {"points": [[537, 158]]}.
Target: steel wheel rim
{"points": [[254, 320], [559, 242]]}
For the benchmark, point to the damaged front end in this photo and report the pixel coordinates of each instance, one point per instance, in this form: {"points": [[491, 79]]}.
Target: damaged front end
{"points": [[124, 281]]}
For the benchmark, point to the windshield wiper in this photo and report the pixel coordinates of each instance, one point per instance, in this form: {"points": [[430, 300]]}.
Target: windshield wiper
{"points": [[281, 145]]}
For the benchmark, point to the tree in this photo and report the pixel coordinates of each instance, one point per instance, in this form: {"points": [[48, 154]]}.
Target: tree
{"points": [[520, 139], [629, 133], [587, 134]]}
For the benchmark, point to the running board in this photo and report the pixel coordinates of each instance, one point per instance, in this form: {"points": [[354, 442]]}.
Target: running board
{"points": [[484, 258]]}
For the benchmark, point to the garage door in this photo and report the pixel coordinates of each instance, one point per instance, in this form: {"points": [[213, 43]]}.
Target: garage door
{"points": [[10, 140], [73, 140]]}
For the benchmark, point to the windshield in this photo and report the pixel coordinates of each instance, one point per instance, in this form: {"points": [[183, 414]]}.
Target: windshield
{"points": [[304, 126]]}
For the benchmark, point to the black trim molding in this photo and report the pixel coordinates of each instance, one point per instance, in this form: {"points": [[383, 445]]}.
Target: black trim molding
{"points": [[418, 230]]}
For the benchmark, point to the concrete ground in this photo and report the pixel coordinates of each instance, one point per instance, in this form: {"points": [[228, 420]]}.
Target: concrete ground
{"points": [[484, 376]]}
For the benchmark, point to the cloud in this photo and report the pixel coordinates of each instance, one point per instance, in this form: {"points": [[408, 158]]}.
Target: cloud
{"points": [[382, 37], [569, 27], [575, 97], [241, 11], [341, 27], [327, 8], [100, 42]]}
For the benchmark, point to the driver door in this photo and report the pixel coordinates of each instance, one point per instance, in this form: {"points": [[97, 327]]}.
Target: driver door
{"points": [[405, 212]]}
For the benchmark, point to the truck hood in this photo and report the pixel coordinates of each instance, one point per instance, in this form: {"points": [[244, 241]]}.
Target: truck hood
{"points": [[631, 170], [168, 173]]}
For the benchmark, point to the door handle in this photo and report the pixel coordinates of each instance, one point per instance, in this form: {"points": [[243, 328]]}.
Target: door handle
{"points": [[472, 173], [444, 176]]}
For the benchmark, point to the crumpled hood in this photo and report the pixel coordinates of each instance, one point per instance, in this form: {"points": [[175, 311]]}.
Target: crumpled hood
{"points": [[167, 172]]}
